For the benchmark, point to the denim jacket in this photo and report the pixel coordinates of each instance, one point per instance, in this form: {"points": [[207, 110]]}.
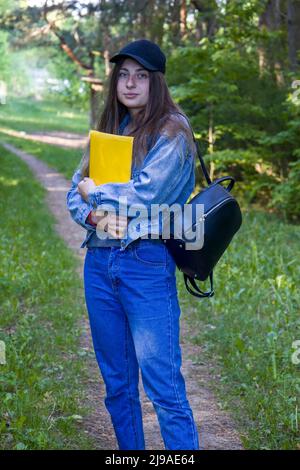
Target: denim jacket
{"points": [[167, 176]]}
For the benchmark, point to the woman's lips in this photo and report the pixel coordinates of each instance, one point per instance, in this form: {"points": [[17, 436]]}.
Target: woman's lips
{"points": [[131, 96]]}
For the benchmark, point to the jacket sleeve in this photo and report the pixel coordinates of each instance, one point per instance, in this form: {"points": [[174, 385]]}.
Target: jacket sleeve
{"points": [[77, 206], [166, 169]]}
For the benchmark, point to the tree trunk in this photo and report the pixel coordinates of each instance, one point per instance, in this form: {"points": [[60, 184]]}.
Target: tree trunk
{"points": [[293, 25], [175, 32], [183, 15], [208, 11], [270, 51], [199, 34]]}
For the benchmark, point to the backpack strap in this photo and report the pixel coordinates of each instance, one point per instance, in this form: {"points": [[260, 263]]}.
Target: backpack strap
{"points": [[204, 170], [188, 279], [199, 292]]}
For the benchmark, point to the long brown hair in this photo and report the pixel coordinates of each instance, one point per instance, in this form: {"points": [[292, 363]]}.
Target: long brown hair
{"points": [[153, 120]]}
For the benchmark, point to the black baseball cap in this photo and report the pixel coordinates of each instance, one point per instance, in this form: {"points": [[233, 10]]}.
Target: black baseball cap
{"points": [[147, 53]]}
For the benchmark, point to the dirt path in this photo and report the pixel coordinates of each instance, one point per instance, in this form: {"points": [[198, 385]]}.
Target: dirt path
{"points": [[58, 138], [216, 429]]}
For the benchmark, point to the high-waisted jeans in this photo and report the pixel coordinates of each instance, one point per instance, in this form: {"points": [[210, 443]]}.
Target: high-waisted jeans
{"points": [[133, 308]]}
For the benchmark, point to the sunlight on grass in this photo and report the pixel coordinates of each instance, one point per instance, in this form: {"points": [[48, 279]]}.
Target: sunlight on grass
{"points": [[31, 116], [6, 181], [70, 115]]}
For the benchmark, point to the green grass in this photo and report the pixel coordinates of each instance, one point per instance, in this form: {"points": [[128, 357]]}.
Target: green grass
{"points": [[31, 116], [248, 329], [41, 302], [36, 116]]}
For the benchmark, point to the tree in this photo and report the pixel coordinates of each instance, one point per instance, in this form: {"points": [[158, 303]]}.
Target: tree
{"points": [[293, 26], [88, 33]]}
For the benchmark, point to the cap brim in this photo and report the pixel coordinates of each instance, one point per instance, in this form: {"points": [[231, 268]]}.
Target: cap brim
{"points": [[143, 62]]}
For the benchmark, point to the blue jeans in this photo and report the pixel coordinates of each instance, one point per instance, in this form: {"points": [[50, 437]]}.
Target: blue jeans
{"points": [[133, 309]]}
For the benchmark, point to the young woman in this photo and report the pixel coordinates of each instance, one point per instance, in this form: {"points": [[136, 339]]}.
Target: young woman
{"points": [[130, 283]]}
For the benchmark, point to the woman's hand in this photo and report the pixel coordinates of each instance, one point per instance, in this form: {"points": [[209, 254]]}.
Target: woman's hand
{"points": [[85, 186], [114, 225]]}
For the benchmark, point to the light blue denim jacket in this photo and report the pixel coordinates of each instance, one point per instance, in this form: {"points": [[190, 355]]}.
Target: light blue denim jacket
{"points": [[167, 176]]}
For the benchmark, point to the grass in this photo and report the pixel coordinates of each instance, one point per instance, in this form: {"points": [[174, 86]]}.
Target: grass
{"points": [[33, 116], [29, 116], [41, 302], [248, 328]]}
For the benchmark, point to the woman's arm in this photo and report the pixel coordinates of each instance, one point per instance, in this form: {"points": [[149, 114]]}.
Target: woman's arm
{"points": [[82, 213], [91, 219], [78, 207], [167, 168]]}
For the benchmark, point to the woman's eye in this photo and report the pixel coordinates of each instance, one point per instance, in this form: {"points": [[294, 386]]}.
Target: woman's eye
{"points": [[140, 75]]}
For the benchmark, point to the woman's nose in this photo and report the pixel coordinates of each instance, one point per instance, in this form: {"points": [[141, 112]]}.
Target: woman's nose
{"points": [[130, 81]]}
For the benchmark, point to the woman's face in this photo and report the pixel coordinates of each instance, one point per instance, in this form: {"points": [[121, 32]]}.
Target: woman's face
{"points": [[133, 79]]}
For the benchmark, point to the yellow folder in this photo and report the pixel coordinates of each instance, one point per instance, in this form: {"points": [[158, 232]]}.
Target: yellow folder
{"points": [[110, 157]]}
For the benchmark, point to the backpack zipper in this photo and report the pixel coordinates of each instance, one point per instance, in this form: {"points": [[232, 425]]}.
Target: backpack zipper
{"points": [[215, 207]]}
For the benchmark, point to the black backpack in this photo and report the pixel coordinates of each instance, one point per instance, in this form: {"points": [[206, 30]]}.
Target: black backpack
{"points": [[222, 219]]}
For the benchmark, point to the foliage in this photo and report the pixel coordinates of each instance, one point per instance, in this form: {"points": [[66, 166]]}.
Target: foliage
{"points": [[75, 92], [246, 125], [5, 68], [286, 195]]}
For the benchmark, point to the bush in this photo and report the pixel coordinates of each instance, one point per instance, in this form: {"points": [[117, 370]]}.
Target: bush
{"points": [[286, 195]]}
